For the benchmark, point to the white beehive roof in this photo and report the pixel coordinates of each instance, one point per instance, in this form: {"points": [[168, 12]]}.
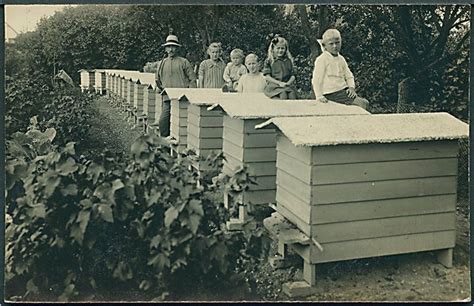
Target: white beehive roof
{"points": [[257, 105], [198, 96], [147, 79], [382, 128]]}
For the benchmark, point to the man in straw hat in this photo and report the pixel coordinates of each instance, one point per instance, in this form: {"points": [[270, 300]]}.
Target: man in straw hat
{"points": [[173, 72]]}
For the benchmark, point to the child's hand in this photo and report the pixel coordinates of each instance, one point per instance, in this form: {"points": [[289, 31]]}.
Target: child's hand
{"points": [[323, 99], [282, 84], [351, 92]]}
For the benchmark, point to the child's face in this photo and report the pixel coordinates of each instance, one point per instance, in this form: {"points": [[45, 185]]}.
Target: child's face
{"points": [[280, 50], [236, 59], [252, 65], [214, 54], [333, 45]]}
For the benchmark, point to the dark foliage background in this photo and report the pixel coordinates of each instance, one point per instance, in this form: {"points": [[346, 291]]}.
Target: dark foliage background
{"points": [[427, 46]]}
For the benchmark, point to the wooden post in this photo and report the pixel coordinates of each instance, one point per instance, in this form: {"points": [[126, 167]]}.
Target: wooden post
{"points": [[445, 257], [309, 273], [282, 249]]}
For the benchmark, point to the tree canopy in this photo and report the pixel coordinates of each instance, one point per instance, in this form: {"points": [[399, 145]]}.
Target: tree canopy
{"points": [[415, 55]]}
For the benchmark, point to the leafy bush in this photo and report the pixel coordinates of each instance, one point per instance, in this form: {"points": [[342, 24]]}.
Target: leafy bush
{"points": [[65, 109], [77, 225]]}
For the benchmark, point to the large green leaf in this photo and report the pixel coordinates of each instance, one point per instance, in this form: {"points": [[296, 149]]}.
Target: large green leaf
{"points": [[170, 215], [105, 212]]}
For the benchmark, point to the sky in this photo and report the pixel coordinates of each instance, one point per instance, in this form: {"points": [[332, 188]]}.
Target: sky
{"points": [[23, 18]]}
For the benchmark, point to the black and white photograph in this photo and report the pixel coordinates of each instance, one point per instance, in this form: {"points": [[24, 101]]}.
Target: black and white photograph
{"points": [[237, 153]]}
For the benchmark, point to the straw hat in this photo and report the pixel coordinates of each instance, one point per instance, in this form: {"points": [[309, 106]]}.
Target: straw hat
{"points": [[172, 40]]}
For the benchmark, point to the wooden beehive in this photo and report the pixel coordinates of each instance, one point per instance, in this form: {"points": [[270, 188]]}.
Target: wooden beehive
{"points": [[123, 87], [91, 84], [371, 186], [84, 74], [99, 80], [149, 103], [178, 122], [131, 79], [203, 127], [107, 82], [114, 83], [243, 145], [138, 96]]}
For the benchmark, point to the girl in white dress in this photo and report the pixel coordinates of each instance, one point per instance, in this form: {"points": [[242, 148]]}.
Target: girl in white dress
{"points": [[253, 81]]}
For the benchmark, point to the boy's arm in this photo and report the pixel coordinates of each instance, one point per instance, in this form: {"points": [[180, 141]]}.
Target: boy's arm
{"points": [[201, 75], [189, 71], [240, 87], [291, 80], [226, 75], [317, 80], [348, 75]]}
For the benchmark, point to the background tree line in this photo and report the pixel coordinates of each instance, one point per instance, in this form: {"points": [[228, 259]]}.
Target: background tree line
{"points": [[416, 56]]}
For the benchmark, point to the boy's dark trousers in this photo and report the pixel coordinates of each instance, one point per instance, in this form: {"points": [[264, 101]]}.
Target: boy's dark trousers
{"points": [[341, 96]]}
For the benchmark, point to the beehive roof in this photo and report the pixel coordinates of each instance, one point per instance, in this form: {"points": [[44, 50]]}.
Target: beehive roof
{"points": [[198, 96], [257, 105], [382, 128], [147, 78]]}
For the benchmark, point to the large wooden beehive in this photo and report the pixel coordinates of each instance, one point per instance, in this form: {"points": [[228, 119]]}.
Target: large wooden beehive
{"points": [[362, 188], [244, 145], [197, 117]]}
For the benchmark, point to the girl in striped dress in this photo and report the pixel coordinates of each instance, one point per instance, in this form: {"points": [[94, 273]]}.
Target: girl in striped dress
{"points": [[211, 71]]}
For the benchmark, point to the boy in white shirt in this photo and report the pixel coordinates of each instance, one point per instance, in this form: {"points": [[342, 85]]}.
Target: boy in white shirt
{"points": [[332, 79]]}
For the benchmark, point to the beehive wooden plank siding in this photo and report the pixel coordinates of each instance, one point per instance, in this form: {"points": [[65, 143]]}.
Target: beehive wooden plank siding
{"points": [[204, 132], [84, 75], [158, 105], [138, 97], [178, 120], [199, 118], [365, 199], [91, 83], [130, 92], [381, 246], [249, 154], [149, 104], [359, 210], [99, 80], [263, 168], [367, 191], [367, 171]]}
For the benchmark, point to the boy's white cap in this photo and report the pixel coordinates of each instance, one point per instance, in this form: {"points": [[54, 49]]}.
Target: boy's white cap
{"points": [[331, 33]]}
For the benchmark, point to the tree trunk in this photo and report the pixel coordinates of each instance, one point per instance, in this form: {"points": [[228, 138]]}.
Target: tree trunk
{"points": [[404, 103], [309, 32]]}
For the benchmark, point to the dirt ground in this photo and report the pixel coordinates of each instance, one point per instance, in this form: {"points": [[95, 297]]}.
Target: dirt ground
{"points": [[409, 277]]}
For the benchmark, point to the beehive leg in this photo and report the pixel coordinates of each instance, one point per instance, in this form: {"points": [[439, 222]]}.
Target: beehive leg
{"points": [[243, 215], [282, 249], [309, 273], [305, 287], [445, 257], [281, 260]]}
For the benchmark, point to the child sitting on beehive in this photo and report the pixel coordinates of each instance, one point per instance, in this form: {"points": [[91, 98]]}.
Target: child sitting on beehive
{"points": [[253, 81], [234, 70], [278, 70], [332, 79]]}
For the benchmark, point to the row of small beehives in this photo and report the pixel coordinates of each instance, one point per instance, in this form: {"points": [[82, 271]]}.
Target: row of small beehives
{"points": [[346, 184]]}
